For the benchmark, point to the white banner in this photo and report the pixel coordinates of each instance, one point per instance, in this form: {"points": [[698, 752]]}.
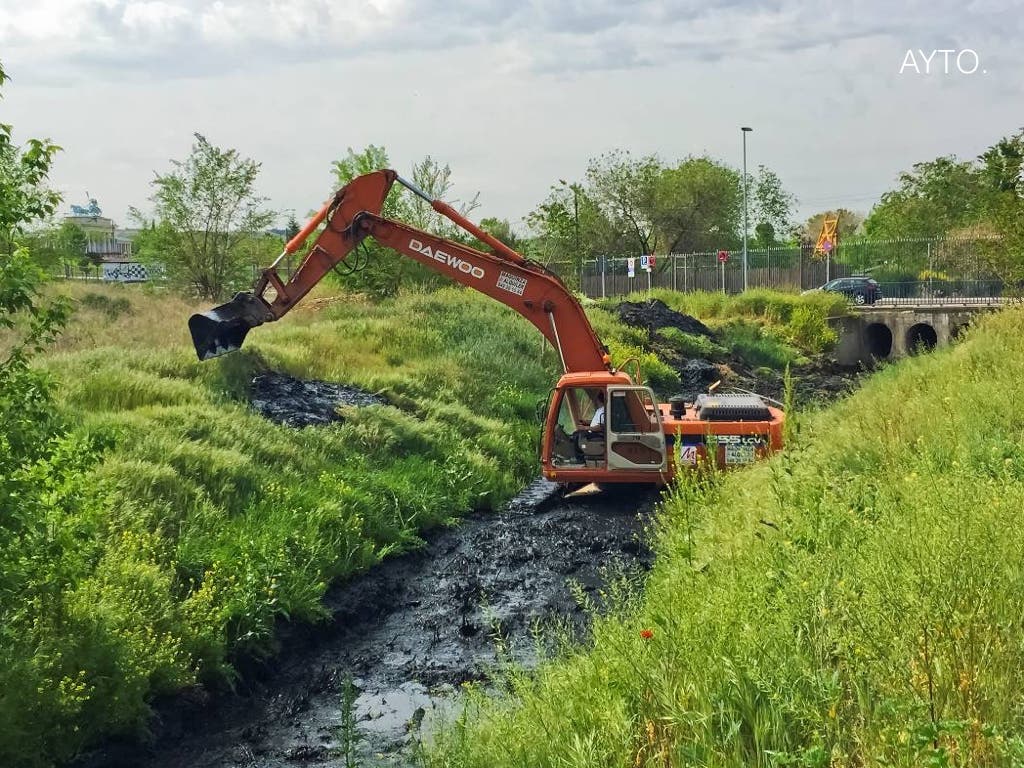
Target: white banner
{"points": [[125, 273]]}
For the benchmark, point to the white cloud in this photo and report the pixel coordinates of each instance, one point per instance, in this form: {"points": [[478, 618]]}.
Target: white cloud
{"points": [[157, 19], [513, 93], [166, 38], [74, 21]]}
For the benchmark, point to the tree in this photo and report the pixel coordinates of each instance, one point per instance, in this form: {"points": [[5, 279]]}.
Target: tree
{"points": [[209, 208], [982, 200], [25, 198], [555, 223], [1002, 164], [500, 229], [24, 195], [570, 229], [380, 270], [772, 207], [72, 244], [1002, 209], [372, 268], [436, 181], [292, 229], [624, 190], [931, 200], [698, 206]]}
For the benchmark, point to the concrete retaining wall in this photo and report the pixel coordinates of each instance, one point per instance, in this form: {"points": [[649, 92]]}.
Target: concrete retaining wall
{"points": [[887, 333]]}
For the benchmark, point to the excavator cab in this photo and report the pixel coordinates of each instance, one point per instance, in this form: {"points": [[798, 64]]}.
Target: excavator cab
{"points": [[603, 432]]}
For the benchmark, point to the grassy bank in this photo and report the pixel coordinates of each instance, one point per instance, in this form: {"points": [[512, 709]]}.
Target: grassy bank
{"points": [[166, 527], [857, 601], [177, 525]]}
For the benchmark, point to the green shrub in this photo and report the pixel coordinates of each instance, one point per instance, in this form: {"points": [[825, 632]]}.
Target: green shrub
{"points": [[757, 346], [692, 345], [793, 319], [653, 371], [113, 307], [809, 330]]}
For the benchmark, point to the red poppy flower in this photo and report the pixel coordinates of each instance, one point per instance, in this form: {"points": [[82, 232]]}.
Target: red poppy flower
{"points": [[646, 634]]}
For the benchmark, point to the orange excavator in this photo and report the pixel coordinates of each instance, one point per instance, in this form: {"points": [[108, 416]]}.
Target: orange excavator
{"points": [[602, 425]]}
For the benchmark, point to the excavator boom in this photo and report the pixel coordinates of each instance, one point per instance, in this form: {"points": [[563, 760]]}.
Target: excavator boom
{"points": [[354, 214]]}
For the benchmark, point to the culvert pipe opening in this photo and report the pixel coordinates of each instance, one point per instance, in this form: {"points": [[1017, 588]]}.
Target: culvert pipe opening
{"points": [[921, 337], [878, 340]]}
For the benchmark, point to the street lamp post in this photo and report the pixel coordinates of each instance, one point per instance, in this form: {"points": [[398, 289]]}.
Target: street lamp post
{"points": [[576, 221], [745, 130]]}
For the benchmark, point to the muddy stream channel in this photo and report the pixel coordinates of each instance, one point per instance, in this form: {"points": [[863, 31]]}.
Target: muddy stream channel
{"points": [[401, 638]]}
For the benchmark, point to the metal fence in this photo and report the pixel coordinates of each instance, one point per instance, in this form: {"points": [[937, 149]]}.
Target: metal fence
{"points": [[907, 271], [942, 271]]}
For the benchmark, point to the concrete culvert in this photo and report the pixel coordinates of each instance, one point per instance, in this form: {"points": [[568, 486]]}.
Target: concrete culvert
{"points": [[878, 340], [921, 337], [956, 331]]}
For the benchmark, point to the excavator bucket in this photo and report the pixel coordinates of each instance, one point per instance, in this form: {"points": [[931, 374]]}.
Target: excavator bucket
{"points": [[223, 328]]}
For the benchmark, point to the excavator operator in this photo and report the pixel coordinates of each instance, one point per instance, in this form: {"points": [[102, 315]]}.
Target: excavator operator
{"points": [[597, 423], [589, 439]]}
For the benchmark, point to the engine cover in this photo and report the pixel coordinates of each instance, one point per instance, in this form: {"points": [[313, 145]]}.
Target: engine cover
{"points": [[732, 408]]}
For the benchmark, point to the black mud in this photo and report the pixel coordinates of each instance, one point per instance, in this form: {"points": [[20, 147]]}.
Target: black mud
{"points": [[303, 403], [654, 314], [406, 635]]}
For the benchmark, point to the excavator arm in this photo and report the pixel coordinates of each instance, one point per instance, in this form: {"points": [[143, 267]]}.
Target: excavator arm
{"points": [[353, 214]]}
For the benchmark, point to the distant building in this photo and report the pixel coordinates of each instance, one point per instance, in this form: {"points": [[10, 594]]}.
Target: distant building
{"points": [[106, 245]]}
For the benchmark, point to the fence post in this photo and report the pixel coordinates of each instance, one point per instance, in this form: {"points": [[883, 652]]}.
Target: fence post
{"points": [[931, 291], [675, 259], [604, 266]]}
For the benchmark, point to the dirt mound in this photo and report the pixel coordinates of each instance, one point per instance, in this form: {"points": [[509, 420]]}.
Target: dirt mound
{"points": [[303, 403], [405, 635], [654, 314], [695, 375]]}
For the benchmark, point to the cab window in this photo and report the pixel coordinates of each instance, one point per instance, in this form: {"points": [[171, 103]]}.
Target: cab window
{"points": [[633, 412], [585, 399]]}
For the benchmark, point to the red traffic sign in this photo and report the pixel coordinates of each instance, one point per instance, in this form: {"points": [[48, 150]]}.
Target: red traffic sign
{"points": [[723, 256]]}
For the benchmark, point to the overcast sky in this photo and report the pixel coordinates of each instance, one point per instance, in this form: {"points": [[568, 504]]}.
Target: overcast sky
{"points": [[512, 95]]}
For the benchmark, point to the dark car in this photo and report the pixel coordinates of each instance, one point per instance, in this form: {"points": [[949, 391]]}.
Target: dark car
{"points": [[861, 290]]}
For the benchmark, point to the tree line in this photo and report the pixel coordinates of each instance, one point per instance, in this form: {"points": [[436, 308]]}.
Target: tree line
{"points": [[210, 227], [209, 224]]}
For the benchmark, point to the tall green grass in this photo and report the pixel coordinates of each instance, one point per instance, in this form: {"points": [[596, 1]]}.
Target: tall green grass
{"points": [[857, 601], [172, 527]]}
